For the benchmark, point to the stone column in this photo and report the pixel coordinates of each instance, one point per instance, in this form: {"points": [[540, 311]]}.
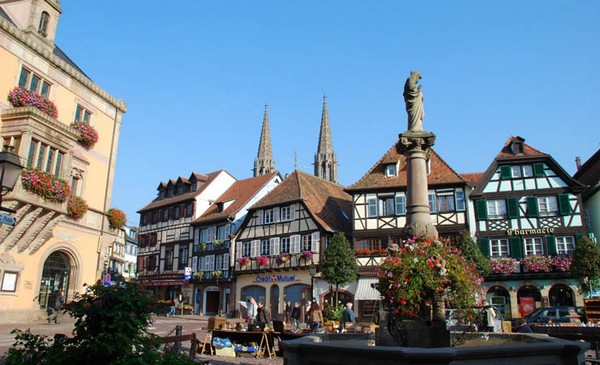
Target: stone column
{"points": [[416, 147]]}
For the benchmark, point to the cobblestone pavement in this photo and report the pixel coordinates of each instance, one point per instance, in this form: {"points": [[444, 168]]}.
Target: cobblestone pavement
{"points": [[161, 326]]}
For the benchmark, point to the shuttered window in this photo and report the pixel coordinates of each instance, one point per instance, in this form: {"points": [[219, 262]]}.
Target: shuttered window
{"points": [[512, 207]]}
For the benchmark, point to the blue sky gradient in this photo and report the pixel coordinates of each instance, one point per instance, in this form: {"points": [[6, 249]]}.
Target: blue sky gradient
{"points": [[196, 74]]}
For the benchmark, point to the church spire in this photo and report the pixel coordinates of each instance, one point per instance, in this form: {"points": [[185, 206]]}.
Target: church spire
{"points": [[325, 159], [264, 163]]}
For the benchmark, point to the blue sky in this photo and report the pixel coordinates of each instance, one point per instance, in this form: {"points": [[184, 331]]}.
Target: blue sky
{"points": [[196, 74]]}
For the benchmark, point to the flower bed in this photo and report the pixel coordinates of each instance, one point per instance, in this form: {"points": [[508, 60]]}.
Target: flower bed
{"points": [[88, 136], [116, 218], [76, 207], [19, 97], [503, 266], [45, 185]]}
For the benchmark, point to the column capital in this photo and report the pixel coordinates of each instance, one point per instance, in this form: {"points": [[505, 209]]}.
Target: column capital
{"points": [[415, 141]]}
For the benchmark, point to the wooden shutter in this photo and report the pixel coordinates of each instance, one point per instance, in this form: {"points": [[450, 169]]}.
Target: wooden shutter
{"points": [[564, 204], [372, 208], [400, 204], [484, 244], [512, 207], [260, 217], [238, 249], [274, 246], [505, 172], [292, 212], [538, 170], [532, 206], [481, 209], [195, 263], [295, 244], [551, 245], [314, 241], [275, 214], [516, 247], [254, 248]]}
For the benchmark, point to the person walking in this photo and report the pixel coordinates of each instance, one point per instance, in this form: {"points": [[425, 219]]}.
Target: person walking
{"points": [[262, 315], [316, 316], [295, 315], [252, 310], [348, 316]]}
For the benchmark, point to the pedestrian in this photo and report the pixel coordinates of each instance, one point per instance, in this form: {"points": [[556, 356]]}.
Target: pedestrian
{"points": [[489, 314], [252, 310], [295, 315], [316, 316], [59, 300], [172, 310], [521, 326], [262, 315], [348, 316]]}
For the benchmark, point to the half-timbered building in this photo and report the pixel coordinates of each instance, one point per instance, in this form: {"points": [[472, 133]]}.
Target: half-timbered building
{"points": [[166, 235], [589, 175], [528, 212], [212, 279], [379, 213], [280, 243]]}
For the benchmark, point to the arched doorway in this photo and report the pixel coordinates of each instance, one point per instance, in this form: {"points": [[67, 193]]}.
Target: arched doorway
{"points": [[529, 298], [55, 277], [561, 295], [500, 299]]}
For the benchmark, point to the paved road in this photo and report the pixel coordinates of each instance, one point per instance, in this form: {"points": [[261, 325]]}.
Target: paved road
{"points": [[161, 326]]}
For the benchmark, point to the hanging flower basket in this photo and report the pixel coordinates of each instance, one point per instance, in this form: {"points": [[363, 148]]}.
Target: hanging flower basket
{"points": [[262, 260], [76, 207], [19, 97], [217, 274], [503, 266], [116, 218], [45, 185], [88, 135]]}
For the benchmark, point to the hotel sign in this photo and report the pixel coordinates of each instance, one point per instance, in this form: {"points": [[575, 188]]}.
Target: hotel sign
{"points": [[275, 278], [525, 232]]}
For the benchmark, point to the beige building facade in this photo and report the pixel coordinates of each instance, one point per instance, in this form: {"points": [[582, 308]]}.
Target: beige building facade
{"points": [[50, 249]]}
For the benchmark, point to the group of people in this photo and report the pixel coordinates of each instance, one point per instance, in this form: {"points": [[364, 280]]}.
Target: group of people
{"points": [[258, 314]]}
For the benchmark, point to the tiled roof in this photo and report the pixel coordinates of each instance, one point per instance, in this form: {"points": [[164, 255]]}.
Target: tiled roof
{"points": [[472, 178], [158, 203], [329, 204], [441, 172], [240, 192], [528, 151]]}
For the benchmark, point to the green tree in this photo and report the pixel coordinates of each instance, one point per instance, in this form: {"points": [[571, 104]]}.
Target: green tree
{"points": [[471, 251], [586, 263], [338, 265]]}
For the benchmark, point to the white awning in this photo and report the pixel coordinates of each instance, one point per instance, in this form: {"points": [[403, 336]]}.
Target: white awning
{"points": [[364, 291]]}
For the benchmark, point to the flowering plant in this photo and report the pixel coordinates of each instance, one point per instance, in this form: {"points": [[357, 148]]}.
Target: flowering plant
{"points": [[536, 263], [76, 207], [217, 274], [244, 261], [45, 185], [421, 273], [307, 255], [369, 252], [561, 263], [88, 135], [503, 266], [283, 258], [198, 275], [262, 260], [116, 218], [19, 96]]}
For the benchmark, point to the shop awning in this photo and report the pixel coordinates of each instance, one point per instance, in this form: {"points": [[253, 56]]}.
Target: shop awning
{"points": [[364, 291]]}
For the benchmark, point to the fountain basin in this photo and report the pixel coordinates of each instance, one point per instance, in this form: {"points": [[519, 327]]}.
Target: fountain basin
{"points": [[514, 349]]}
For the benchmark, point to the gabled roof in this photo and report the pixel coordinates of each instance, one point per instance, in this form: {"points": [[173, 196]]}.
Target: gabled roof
{"points": [[158, 203], [528, 155], [327, 202], [441, 172], [589, 174], [241, 192]]}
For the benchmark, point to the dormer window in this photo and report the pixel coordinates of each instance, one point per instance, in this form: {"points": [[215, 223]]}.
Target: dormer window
{"points": [[391, 170], [43, 28], [517, 147]]}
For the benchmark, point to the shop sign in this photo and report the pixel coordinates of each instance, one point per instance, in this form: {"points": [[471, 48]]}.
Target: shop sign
{"points": [[524, 232], [275, 278]]}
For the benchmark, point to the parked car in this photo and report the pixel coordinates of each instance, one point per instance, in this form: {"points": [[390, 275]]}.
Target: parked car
{"points": [[556, 315]]}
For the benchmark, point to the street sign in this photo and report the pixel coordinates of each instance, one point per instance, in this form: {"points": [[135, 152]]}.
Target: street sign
{"points": [[187, 274], [7, 219]]}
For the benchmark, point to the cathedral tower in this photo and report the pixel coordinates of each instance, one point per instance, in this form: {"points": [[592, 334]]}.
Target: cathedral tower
{"points": [[325, 160], [264, 164]]}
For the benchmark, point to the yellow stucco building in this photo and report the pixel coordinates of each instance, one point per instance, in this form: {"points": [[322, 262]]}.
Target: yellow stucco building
{"points": [[51, 247]]}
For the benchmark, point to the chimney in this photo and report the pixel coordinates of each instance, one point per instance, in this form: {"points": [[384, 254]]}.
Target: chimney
{"points": [[578, 162]]}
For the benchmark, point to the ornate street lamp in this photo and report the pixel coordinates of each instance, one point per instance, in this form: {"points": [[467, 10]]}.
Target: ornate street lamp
{"points": [[10, 168]]}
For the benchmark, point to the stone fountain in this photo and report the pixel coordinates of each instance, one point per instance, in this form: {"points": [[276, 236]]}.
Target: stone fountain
{"points": [[427, 342]]}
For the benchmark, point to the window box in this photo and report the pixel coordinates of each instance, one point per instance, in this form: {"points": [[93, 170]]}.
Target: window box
{"points": [[19, 97], [88, 136], [45, 185]]}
